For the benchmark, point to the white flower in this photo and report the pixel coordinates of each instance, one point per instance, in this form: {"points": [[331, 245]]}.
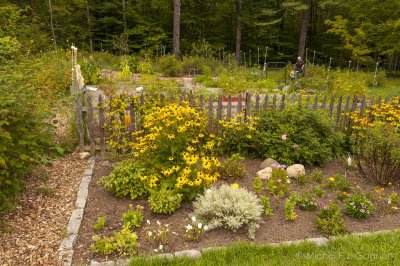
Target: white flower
{"points": [[208, 191], [150, 233], [158, 222], [155, 250], [389, 201], [188, 227], [194, 219], [160, 247], [205, 228], [288, 181], [148, 221], [199, 225], [167, 225]]}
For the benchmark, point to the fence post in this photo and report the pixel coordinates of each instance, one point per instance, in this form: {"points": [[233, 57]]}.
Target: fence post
{"points": [[210, 113], [266, 98], [323, 105], [362, 107], [283, 102], [201, 102], [248, 106], [257, 108], [308, 101], [300, 100], [339, 109], [91, 126], [101, 124], [346, 108], [274, 103], [229, 107], [191, 98], [315, 107], [239, 106], [79, 121], [331, 106], [219, 111]]}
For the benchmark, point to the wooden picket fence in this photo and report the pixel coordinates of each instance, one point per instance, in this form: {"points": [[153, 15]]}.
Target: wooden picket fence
{"points": [[91, 120]]}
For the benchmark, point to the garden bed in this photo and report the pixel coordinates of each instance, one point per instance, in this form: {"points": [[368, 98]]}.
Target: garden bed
{"points": [[272, 229]]}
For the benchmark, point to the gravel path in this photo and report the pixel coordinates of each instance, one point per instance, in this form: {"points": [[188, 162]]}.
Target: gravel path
{"points": [[39, 223]]}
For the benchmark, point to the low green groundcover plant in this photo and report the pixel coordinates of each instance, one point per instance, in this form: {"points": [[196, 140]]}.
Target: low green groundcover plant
{"points": [[123, 243]]}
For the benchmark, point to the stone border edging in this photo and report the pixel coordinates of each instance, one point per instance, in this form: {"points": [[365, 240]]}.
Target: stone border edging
{"points": [[66, 250], [193, 253]]}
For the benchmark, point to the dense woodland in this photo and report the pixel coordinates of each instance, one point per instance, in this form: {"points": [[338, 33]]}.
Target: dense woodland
{"points": [[364, 31]]}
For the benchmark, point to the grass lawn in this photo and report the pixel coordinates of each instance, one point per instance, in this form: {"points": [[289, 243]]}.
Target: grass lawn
{"points": [[380, 249], [391, 88]]}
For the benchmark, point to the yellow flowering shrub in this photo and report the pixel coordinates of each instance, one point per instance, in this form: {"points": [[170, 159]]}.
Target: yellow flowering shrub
{"points": [[375, 142], [174, 143]]}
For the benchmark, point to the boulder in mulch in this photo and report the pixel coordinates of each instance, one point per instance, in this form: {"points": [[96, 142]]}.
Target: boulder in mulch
{"points": [[296, 170], [268, 163]]}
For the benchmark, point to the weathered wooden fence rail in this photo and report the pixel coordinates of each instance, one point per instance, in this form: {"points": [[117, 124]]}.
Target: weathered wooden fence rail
{"points": [[91, 119]]}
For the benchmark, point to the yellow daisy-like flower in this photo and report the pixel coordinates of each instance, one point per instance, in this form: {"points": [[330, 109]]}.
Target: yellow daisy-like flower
{"points": [[171, 158], [331, 179], [170, 136], [235, 185]]}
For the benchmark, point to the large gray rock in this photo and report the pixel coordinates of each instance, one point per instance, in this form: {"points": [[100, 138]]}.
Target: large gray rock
{"points": [[268, 163], [296, 170], [265, 173]]}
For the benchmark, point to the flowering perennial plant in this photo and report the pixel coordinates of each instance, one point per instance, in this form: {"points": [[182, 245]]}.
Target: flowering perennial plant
{"points": [[157, 234], [175, 144], [358, 206], [279, 183], [194, 230]]}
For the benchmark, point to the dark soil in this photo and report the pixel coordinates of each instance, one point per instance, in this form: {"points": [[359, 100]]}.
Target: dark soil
{"points": [[273, 229]]}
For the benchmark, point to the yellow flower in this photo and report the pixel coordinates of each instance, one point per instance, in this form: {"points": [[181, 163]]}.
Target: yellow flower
{"points": [[249, 136], [235, 185], [171, 158], [293, 216], [331, 179], [170, 136]]}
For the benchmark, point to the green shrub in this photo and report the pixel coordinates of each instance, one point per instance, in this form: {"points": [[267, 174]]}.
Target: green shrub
{"points": [[229, 207], [125, 180], [123, 243], [169, 66], [233, 166], [100, 223], [164, 201], [378, 154], [133, 218], [25, 138], [296, 135], [358, 206], [339, 183], [330, 221]]}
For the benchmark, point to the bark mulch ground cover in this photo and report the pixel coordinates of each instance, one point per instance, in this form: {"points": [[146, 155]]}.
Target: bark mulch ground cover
{"points": [[37, 226], [272, 229]]}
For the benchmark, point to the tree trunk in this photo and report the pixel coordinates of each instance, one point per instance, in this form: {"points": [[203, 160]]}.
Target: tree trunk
{"points": [[32, 7], [304, 25], [89, 25], [238, 30], [177, 25], [51, 24], [124, 15]]}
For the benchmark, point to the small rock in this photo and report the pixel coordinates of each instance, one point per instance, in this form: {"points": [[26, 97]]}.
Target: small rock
{"points": [[84, 155], [268, 163], [191, 253], [265, 173], [296, 170]]}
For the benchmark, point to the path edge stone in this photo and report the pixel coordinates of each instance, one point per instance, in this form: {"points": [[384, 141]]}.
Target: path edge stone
{"points": [[66, 249]]}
